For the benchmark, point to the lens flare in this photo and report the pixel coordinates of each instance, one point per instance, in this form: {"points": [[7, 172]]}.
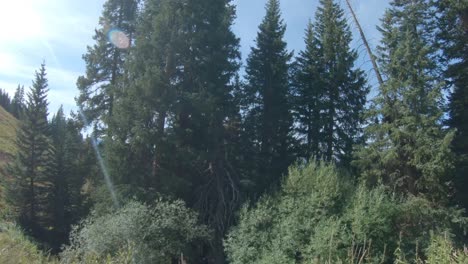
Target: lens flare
{"points": [[118, 38]]}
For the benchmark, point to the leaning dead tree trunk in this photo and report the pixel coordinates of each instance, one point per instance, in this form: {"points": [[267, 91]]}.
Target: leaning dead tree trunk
{"points": [[366, 43], [388, 117]]}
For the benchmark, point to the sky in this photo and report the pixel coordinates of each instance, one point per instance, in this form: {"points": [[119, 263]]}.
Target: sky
{"points": [[59, 31]]}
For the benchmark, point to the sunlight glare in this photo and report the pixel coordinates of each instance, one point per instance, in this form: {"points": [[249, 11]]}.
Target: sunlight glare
{"points": [[19, 20]]}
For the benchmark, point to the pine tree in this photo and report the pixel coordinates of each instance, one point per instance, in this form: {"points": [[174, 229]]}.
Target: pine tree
{"points": [[205, 113], [17, 103], [65, 201], [27, 191], [308, 92], [408, 149], [266, 104], [171, 129], [330, 93], [140, 119], [104, 63], [59, 199], [5, 100], [453, 38]]}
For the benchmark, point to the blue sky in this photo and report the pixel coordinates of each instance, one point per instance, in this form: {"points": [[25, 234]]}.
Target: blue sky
{"points": [[58, 32]]}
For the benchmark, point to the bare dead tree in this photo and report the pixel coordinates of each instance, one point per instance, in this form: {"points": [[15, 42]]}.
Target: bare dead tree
{"points": [[366, 43], [387, 118]]}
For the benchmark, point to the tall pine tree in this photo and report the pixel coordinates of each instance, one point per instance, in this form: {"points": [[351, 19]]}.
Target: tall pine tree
{"points": [[27, 191], [330, 93], [65, 177], [453, 37], [140, 120], [172, 123], [104, 63], [266, 102], [308, 92], [408, 149], [204, 111]]}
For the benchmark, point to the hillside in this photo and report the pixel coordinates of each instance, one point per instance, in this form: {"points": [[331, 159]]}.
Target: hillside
{"points": [[8, 125], [15, 247]]}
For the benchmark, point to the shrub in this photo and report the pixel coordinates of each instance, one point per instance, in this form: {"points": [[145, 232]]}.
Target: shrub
{"points": [[279, 228], [153, 234], [319, 216], [442, 251]]}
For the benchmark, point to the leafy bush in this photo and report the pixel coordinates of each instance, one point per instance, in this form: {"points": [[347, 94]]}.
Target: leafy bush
{"points": [[442, 251], [279, 228], [152, 234], [319, 216]]}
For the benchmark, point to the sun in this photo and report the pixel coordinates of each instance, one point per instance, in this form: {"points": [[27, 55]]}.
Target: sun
{"points": [[20, 20]]}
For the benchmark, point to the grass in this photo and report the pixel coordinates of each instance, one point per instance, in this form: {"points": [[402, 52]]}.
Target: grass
{"points": [[16, 248], [8, 126]]}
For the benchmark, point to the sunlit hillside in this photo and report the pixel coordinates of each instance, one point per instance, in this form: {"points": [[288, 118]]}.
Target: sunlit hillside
{"points": [[15, 248], [8, 125]]}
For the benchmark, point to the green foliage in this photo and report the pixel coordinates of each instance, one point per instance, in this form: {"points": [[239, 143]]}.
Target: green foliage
{"points": [[408, 148], [171, 129], [5, 100], [320, 216], [330, 93], [18, 104], [266, 101], [154, 234], [442, 251], [280, 227], [104, 64], [16, 248], [8, 126], [453, 39], [27, 187], [15, 105], [66, 177]]}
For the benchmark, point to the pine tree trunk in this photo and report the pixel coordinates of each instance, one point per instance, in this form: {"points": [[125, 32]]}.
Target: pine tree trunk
{"points": [[32, 175]]}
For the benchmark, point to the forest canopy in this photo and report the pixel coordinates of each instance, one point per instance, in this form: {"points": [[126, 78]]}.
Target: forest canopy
{"points": [[181, 153]]}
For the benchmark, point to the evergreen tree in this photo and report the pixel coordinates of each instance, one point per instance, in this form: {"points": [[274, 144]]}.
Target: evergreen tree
{"points": [[104, 63], [17, 103], [205, 112], [266, 102], [140, 119], [171, 130], [308, 93], [27, 191], [66, 178], [408, 149], [330, 93], [5, 100], [453, 37]]}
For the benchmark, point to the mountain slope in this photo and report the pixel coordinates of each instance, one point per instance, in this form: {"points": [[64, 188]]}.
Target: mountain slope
{"points": [[8, 126]]}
